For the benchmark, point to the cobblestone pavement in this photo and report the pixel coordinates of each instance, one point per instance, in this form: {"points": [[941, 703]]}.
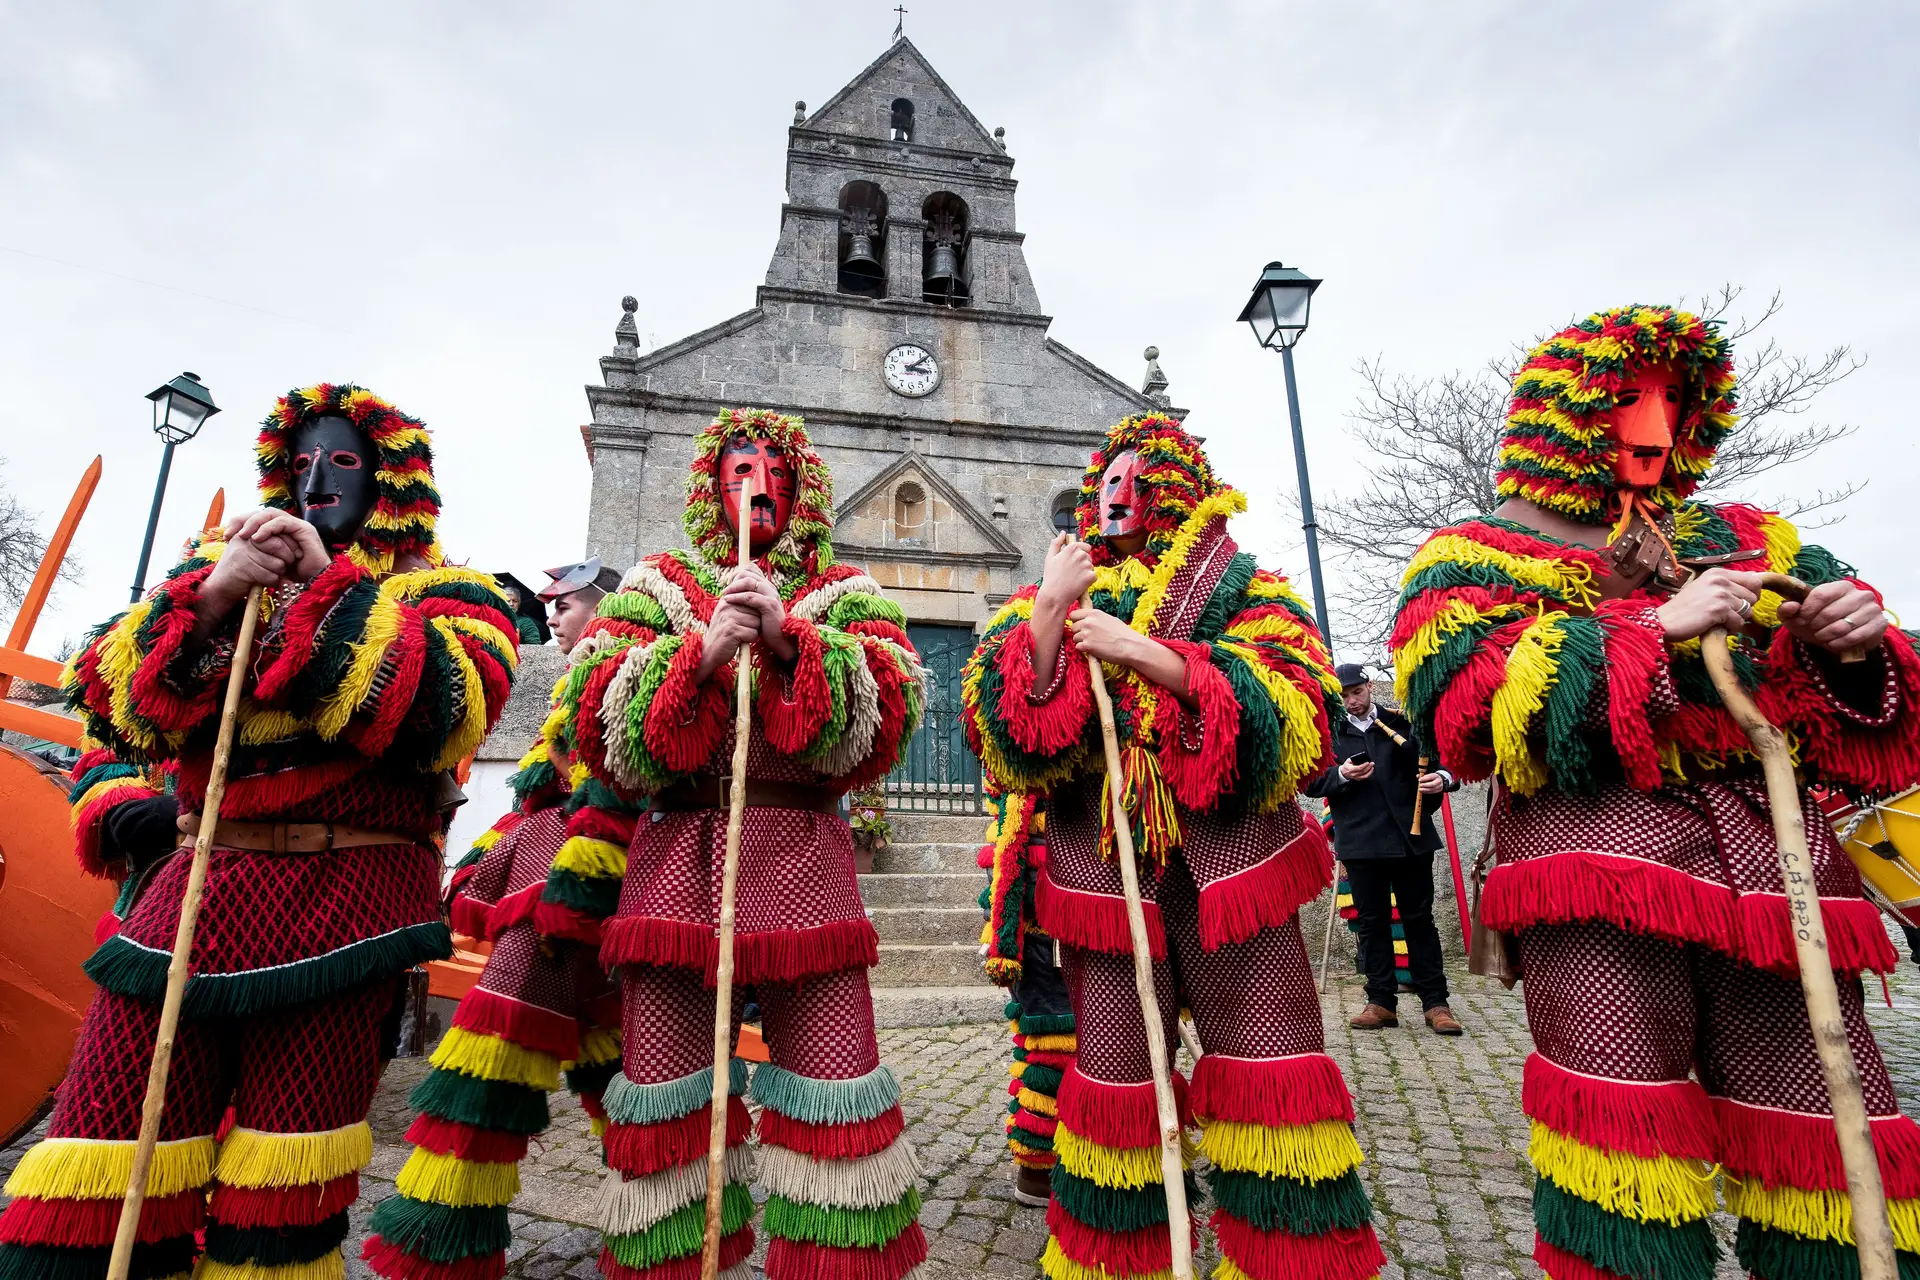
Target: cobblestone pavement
{"points": [[1439, 1119]]}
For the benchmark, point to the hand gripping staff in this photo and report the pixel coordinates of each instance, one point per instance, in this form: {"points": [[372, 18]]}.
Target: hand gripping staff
{"points": [[129, 1228], [1172, 1171], [729, 881], [1872, 1233]]}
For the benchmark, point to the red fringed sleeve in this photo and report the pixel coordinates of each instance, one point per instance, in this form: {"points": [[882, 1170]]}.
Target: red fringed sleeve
{"points": [[1198, 747]]}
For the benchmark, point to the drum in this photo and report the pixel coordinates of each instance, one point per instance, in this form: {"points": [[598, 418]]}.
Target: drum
{"points": [[1883, 839]]}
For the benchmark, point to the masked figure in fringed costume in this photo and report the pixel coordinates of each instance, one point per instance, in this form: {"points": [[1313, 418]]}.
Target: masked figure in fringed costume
{"points": [[377, 668], [837, 694], [540, 1008], [1223, 691], [1019, 957], [1555, 645]]}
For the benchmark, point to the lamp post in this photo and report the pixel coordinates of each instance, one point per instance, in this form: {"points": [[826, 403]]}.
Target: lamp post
{"points": [[179, 409], [1277, 313]]}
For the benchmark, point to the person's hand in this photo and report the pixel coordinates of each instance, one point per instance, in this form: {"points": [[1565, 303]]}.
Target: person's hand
{"points": [[732, 627], [750, 590], [285, 535], [1836, 616], [1103, 636], [1716, 598], [1354, 772], [1066, 576], [1432, 784]]}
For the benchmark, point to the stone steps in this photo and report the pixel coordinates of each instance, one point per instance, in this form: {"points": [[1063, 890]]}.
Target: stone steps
{"points": [[926, 924], [900, 857], [926, 888], [936, 964]]}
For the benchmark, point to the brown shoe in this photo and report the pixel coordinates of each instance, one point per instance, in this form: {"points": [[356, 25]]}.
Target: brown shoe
{"points": [[1374, 1017], [1441, 1019], [1032, 1186]]}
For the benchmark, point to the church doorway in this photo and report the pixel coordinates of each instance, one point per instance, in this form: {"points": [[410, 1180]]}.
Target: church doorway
{"points": [[937, 773]]}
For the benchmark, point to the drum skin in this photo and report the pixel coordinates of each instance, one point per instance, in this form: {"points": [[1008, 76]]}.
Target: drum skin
{"points": [[48, 909], [1885, 845]]}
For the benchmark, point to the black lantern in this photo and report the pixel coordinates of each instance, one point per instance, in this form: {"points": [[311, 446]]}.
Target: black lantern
{"points": [[1277, 311], [180, 407]]}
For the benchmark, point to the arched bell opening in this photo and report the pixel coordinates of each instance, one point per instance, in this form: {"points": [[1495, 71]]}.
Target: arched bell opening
{"points": [[944, 250], [900, 120], [863, 239]]}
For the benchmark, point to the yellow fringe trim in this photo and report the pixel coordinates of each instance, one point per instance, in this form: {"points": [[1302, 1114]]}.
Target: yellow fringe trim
{"points": [[255, 1158], [1056, 1265], [100, 1169], [1783, 548], [598, 1045], [330, 1267], [493, 1058], [1645, 1189], [1226, 502], [1532, 670], [473, 726], [451, 1180], [1068, 1043], [1816, 1215], [1302, 1152], [591, 859], [598, 1124], [260, 724], [382, 629], [1300, 735], [1572, 579], [1129, 1167], [1038, 1103]]}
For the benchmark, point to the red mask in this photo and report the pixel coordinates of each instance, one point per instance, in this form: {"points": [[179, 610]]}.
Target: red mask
{"points": [[773, 484], [1647, 415], [1121, 506]]}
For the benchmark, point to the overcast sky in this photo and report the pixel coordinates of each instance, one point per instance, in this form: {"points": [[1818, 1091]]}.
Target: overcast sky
{"points": [[445, 202]]}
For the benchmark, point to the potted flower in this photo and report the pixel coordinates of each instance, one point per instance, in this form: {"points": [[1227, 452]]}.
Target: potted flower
{"points": [[867, 815]]}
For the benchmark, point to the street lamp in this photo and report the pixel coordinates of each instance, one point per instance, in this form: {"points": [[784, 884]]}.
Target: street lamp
{"points": [[1277, 313], [179, 409]]}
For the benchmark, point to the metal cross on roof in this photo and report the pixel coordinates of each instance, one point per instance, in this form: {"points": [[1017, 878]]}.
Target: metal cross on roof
{"points": [[900, 27]]}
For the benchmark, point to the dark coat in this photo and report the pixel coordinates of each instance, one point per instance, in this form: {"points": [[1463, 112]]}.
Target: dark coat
{"points": [[1372, 816]]}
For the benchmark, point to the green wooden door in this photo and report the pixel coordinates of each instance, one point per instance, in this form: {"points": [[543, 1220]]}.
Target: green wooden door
{"points": [[937, 772]]}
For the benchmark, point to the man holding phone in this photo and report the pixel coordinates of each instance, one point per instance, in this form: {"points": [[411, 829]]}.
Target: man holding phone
{"points": [[1370, 791]]}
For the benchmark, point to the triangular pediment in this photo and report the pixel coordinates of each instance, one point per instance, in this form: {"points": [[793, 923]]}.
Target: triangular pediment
{"points": [[909, 511], [864, 108]]}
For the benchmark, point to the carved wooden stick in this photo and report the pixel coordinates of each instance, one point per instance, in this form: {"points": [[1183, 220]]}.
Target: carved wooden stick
{"points": [[123, 1238], [729, 882], [1872, 1232]]}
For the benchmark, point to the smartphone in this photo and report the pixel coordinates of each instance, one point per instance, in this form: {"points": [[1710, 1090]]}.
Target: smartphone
{"points": [[1360, 757]]}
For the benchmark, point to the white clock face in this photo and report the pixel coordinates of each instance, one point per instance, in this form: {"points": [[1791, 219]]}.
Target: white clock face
{"points": [[911, 370]]}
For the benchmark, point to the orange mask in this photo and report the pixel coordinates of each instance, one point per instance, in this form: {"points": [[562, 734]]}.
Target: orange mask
{"points": [[773, 485], [1646, 416]]}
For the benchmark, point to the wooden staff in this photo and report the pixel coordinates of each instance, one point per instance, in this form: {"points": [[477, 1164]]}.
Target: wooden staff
{"points": [[1172, 1170], [1872, 1233], [156, 1099], [1419, 796], [1333, 909], [729, 881]]}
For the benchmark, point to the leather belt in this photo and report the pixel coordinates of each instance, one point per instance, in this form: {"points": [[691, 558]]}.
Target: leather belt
{"points": [[711, 793], [290, 837]]}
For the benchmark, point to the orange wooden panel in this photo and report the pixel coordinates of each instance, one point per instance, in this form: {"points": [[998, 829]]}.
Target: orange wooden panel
{"points": [[35, 723], [50, 908]]}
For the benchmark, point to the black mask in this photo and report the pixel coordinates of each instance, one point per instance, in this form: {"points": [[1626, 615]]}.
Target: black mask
{"points": [[333, 487]]}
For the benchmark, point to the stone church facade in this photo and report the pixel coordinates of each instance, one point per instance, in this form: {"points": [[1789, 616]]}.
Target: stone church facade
{"points": [[899, 319], [949, 497]]}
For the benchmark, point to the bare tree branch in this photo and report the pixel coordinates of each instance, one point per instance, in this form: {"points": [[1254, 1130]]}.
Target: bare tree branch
{"points": [[1431, 443], [21, 547]]}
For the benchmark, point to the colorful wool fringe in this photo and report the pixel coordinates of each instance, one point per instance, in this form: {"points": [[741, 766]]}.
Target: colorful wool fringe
{"points": [[841, 1178], [1256, 666], [1011, 857], [1108, 1214], [1044, 1049], [652, 1205]]}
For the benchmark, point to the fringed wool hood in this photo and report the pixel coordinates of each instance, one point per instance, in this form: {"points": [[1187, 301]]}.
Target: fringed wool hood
{"points": [[406, 504], [1558, 450], [1174, 471], [806, 547]]}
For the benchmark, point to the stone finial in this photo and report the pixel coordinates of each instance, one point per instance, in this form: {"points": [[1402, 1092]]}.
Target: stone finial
{"points": [[1155, 387], [800, 113], [626, 335], [1000, 137]]}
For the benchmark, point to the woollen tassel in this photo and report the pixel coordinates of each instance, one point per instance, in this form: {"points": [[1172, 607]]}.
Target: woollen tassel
{"points": [[1150, 805]]}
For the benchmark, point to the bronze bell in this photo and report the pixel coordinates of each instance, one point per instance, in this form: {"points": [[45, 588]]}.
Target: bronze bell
{"points": [[943, 273], [861, 272]]}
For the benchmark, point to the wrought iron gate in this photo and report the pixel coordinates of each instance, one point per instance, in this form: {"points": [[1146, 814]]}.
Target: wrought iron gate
{"points": [[937, 773]]}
